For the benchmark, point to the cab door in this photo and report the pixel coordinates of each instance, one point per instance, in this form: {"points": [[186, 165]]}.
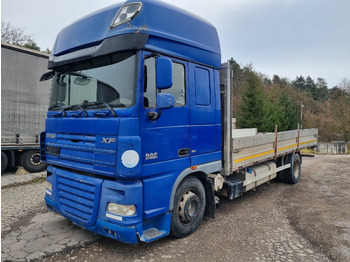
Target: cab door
{"points": [[165, 137], [205, 115]]}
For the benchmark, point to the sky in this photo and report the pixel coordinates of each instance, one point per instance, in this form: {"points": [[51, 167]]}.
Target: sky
{"points": [[288, 38]]}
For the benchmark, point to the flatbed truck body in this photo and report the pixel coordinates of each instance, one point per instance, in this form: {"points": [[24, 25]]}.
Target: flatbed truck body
{"points": [[138, 135]]}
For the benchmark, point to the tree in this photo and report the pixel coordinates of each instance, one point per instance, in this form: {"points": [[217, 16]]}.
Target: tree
{"points": [[290, 112], [299, 82], [251, 110], [282, 82], [321, 85], [311, 87], [32, 45], [345, 84], [237, 84], [340, 104], [280, 110], [17, 36], [273, 114], [318, 90]]}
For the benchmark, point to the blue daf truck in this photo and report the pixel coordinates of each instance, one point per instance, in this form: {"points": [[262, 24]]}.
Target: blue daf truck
{"points": [[138, 135]]}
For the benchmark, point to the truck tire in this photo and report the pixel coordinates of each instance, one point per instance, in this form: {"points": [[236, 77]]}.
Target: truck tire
{"points": [[4, 161], [292, 174], [189, 207], [31, 161]]}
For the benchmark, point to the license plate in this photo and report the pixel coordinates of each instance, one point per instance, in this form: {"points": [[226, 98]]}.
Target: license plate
{"points": [[53, 150]]}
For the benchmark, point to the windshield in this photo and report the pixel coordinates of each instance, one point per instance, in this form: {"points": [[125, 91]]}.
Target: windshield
{"points": [[100, 82]]}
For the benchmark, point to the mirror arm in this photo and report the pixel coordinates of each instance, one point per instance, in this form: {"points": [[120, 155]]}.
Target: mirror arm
{"points": [[154, 115]]}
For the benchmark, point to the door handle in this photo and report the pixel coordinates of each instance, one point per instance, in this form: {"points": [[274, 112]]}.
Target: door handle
{"points": [[184, 152]]}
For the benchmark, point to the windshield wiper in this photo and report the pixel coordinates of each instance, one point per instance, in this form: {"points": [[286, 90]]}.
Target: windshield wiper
{"points": [[59, 107], [77, 106], [87, 104]]}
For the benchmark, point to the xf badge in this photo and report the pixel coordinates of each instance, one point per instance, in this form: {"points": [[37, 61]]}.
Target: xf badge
{"points": [[108, 140]]}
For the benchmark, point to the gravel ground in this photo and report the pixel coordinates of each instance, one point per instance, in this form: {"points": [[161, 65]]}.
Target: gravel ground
{"points": [[10, 179], [28, 229], [319, 208], [309, 221], [20, 195]]}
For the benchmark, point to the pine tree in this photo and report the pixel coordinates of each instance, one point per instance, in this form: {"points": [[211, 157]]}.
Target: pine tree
{"points": [[280, 110], [290, 113], [299, 82], [322, 89], [251, 110], [311, 87]]}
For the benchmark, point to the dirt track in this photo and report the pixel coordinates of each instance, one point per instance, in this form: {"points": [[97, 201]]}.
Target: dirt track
{"points": [[309, 221]]}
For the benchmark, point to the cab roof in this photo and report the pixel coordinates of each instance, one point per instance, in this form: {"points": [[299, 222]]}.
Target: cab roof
{"points": [[170, 30]]}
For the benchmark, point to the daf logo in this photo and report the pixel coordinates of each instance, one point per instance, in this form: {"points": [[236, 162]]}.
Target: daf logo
{"points": [[108, 140], [150, 156], [50, 135]]}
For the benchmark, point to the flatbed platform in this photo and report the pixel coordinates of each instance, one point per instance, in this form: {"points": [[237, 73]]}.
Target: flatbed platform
{"points": [[251, 150]]}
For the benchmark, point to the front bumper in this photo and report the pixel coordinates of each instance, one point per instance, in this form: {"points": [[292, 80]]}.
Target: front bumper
{"points": [[84, 199], [117, 232], [147, 231]]}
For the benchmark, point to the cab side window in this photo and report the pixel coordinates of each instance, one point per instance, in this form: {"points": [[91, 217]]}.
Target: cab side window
{"points": [[149, 83], [178, 90]]}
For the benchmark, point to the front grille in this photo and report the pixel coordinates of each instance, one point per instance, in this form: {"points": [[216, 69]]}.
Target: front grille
{"points": [[79, 198], [83, 153]]}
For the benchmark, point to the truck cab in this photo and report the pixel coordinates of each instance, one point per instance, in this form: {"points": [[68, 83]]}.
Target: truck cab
{"points": [[135, 92]]}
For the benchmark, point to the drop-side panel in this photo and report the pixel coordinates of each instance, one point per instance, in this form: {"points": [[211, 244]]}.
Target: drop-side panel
{"points": [[251, 150]]}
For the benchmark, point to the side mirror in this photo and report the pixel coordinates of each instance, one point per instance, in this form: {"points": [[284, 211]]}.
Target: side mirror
{"points": [[47, 76], [164, 73], [165, 101]]}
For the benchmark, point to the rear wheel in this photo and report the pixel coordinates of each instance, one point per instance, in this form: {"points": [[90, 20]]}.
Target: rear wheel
{"points": [[4, 161], [31, 161], [292, 174], [189, 206]]}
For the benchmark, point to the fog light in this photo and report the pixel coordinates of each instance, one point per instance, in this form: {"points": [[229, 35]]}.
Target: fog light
{"points": [[122, 210]]}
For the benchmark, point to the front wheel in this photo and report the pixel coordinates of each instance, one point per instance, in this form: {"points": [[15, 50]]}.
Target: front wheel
{"points": [[189, 206]]}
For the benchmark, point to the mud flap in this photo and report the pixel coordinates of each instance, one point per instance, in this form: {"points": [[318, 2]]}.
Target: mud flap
{"points": [[209, 198]]}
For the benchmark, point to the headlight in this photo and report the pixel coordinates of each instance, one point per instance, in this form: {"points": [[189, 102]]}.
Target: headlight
{"points": [[48, 188], [122, 210], [126, 13]]}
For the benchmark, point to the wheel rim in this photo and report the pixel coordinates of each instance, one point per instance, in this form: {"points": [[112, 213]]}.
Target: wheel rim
{"points": [[35, 159], [189, 207]]}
